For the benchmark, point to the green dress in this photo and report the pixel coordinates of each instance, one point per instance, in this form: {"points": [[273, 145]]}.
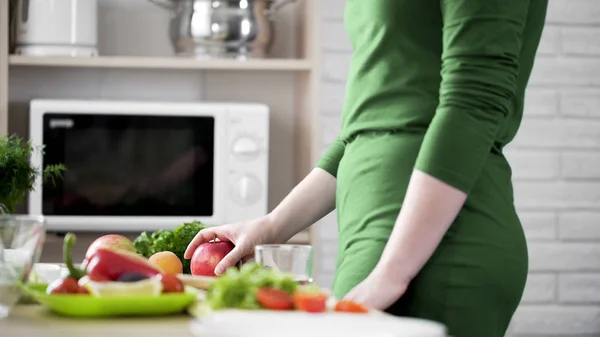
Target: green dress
{"points": [[438, 86]]}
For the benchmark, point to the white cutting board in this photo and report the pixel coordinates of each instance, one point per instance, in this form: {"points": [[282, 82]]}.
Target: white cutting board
{"points": [[263, 323]]}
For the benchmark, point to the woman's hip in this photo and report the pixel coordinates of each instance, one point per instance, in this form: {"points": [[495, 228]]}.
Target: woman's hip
{"points": [[372, 181]]}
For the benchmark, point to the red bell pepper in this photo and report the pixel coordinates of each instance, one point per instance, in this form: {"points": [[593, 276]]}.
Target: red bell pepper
{"points": [[109, 265]]}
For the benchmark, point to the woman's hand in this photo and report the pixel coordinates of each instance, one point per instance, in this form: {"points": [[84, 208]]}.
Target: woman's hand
{"points": [[379, 290], [244, 235], [429, 208], [308, 202]]}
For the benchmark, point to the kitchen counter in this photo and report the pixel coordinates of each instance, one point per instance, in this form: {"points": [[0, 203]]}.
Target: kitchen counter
{"points": [[37, 321]]}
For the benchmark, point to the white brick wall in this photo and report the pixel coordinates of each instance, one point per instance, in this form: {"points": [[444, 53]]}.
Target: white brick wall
{"points": [[556, 164]]}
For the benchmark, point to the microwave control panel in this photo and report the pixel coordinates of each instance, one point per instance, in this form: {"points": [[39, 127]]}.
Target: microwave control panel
{"points": [[248, 141]]}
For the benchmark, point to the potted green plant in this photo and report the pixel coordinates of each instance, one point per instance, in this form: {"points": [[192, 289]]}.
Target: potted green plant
{"points": [[17, 174]]}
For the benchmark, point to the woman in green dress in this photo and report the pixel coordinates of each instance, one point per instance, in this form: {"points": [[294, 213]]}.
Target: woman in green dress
{"points": [[426, 219]]}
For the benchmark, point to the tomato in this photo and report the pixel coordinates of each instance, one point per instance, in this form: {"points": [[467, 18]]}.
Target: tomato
{"points": [[350, 306], [310, 302], [63, 286], [274, 299], [171, 284]]}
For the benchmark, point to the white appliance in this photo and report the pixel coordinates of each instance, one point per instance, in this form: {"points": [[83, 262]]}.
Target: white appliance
{"points": [[56, 27], [134, 166]]}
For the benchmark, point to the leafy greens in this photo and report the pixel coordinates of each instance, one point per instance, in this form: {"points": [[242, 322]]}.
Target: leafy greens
{"points": [[236, 289], [175, 241]]}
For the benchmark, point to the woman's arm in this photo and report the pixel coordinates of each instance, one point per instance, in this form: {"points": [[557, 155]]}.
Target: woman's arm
{"points": [[309, 201], [480, 65], [430, 206]]}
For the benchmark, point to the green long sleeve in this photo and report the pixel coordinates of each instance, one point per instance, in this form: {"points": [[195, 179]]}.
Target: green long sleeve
{"points": [[331, 160], [452, 73], [480, 67]]}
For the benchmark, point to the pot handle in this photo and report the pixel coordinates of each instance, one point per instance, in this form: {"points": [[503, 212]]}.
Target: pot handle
{"points": [[277, 5]]}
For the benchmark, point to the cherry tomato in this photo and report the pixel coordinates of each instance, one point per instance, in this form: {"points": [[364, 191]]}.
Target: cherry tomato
{"points": [[310, 302], [274, 299], [63, 286], [350, 306], [171, 284]]}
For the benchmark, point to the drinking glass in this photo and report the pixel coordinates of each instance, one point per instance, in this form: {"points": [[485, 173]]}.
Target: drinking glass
{"points": [[296, 260], [21, 241]]}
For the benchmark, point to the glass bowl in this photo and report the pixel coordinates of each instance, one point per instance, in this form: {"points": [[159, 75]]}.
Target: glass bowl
{"points": [[21, 242]]}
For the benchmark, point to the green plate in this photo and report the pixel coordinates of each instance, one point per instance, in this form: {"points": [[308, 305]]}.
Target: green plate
{"points": [[89, 306]]}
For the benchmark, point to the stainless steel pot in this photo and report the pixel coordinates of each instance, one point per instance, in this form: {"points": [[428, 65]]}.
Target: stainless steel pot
{"points": [[239, 29]]}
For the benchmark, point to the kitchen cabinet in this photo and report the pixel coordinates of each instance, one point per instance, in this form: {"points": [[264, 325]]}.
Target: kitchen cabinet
{"points": [[288, 81]]}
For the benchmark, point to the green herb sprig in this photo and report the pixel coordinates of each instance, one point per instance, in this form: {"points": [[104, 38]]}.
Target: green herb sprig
{"points": [[17, 174]]}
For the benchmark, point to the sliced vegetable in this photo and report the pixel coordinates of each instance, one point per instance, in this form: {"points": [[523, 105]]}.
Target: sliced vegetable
{"points": [[255, 287], [274, 299], [110, 265], [310, 301], [350, 306], [147, 287]]}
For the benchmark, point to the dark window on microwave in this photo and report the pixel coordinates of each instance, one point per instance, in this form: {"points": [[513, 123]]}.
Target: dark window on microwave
{"points": [[130, 165]]}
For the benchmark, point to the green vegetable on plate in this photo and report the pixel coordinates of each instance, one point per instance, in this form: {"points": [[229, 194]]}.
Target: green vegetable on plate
{"points": [[237, 288], [175, 241]]}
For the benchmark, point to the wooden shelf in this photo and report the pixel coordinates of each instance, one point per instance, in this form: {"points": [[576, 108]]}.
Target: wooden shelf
{"points": [[160, 63]]}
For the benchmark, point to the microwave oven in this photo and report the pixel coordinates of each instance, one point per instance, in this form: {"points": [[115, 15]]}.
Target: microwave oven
{"points": [[136, 166]]}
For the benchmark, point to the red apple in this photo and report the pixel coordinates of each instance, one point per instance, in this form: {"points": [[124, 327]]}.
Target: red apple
{"points": [[110, 241], [207, 256]]}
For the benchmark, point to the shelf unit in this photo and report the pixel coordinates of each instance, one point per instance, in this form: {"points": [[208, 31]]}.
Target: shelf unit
{"points": [[166, 63], [290, 85], [4, 34]]}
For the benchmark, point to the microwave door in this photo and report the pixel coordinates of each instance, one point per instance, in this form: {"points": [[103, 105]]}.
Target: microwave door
{"points": [[130, 165]]}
